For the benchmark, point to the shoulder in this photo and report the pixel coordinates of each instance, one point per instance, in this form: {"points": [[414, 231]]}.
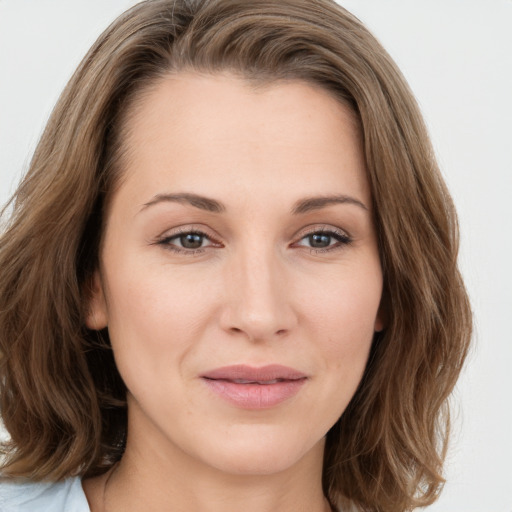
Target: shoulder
{"points": [[26, 496]]}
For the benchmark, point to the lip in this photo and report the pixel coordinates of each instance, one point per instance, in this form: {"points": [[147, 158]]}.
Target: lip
{"points": [[250, 387]]}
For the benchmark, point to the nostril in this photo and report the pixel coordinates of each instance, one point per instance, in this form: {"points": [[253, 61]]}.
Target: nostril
{"points": [[237, 330]]}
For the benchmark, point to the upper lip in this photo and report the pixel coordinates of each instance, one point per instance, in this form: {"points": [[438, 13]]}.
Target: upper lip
{"points": [[244, 372]]}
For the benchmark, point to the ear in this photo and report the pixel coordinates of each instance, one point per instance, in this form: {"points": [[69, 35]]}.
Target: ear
{"points": [[96, 317]]}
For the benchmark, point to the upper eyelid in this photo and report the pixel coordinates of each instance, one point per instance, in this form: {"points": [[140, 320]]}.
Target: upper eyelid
{"points": [[185, 229], [200, 230], [309, 230]]}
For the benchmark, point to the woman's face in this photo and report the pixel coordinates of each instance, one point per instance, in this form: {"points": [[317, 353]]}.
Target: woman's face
{"points": [[240, 278]]}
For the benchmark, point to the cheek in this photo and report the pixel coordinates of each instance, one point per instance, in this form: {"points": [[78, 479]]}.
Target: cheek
{"points": [[157, 314], [343, 314], [153, 319]]}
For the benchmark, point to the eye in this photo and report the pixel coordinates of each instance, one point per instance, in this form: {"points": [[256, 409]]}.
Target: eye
{"points": [[191, 241], [325, 240]]}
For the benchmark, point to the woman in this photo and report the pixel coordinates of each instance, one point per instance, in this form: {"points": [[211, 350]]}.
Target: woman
{"points": [[229, 279]]}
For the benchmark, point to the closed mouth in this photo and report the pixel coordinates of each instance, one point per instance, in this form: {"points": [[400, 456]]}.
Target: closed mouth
{"points": [[255, 388], [245, 374]]}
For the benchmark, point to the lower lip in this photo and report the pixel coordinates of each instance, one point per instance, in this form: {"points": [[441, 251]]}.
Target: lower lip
{"points": [[255, 396]]}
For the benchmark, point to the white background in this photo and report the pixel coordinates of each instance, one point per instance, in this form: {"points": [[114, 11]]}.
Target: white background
{"points": [[457, 56]]}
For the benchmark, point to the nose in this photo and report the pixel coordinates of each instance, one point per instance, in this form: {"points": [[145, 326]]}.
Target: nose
{"points": [[259, 302]]}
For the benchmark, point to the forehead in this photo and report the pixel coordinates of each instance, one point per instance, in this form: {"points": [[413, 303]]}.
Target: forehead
{"points": [[213, 132]]}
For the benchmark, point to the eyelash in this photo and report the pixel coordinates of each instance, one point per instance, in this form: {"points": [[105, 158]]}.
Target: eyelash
{"points": [[342, 240]]}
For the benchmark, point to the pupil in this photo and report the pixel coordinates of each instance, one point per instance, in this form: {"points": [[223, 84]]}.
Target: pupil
{"points": [[320, 240], [191, 241]]}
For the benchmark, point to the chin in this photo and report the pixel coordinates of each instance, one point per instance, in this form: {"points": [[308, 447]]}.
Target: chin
{"points": [[263, 452]]}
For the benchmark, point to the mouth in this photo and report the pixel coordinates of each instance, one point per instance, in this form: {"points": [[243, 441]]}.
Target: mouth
{"points": [[249, 387]]}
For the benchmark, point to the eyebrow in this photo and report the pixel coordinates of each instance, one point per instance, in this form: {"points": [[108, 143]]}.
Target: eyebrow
{"points": [[201, 202], [316, 203], [211, 205]]}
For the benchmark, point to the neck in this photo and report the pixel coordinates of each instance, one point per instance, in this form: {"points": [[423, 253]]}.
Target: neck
{"points": [[139, 484], [157, 476]]}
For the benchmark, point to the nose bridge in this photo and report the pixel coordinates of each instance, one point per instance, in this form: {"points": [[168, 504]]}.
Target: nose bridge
{"points": [[259, 304]]}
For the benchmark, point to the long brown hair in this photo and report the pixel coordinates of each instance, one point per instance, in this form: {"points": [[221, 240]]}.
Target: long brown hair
{"points": [[62, 399]]}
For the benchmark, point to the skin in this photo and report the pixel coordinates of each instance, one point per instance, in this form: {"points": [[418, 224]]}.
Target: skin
{"points": [[255, 291]]}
